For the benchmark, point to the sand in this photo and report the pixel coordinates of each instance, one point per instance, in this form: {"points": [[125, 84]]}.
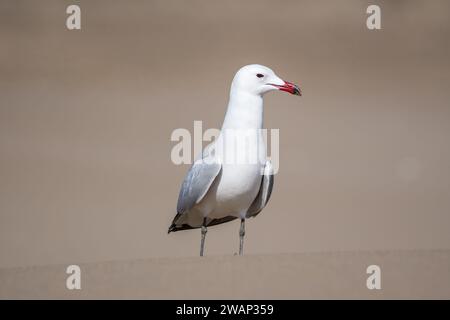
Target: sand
{"points": [[333, 275]]}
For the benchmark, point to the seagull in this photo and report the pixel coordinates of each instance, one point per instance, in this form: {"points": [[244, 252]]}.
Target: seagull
{"points": [[231, 178]]}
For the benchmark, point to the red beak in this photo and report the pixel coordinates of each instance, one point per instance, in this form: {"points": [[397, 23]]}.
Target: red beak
{"points": [[291, 88]]}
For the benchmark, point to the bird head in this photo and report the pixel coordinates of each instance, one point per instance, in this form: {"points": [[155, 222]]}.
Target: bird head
{"points": [[258, 79]]}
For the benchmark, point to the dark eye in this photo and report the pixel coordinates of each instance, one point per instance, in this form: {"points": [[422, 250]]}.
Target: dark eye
{"points": [[260, 75]]}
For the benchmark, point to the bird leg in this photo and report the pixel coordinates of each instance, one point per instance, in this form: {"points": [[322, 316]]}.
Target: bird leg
{"points": [[241, 237], [202, 243]]}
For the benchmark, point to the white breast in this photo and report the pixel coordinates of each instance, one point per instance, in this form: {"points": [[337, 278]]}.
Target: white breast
{"points": [[243, 158], [241, 150]]}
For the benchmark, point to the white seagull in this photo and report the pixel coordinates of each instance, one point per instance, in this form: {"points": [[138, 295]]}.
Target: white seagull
{"points": [[218, 188]]}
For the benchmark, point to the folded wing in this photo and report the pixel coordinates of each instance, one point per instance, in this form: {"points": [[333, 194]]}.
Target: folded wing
{"points": [[265, 191], [195, 186]]}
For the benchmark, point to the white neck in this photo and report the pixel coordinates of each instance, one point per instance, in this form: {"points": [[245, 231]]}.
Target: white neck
{"points": [[245, 111]]}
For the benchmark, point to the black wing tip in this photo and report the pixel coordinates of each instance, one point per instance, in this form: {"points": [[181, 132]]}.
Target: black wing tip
{"points": [[175, 228], [171, 228]]}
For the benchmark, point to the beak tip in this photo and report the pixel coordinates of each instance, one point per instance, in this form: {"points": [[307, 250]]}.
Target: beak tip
{"points": [[293, 88], [297, 91]]}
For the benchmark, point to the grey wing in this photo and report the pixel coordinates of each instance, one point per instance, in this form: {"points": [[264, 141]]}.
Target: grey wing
{"points": [[197, 183], [265, 191]]}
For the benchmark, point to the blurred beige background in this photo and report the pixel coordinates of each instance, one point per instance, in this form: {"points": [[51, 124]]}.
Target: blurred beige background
{"points": [[86, 118]]}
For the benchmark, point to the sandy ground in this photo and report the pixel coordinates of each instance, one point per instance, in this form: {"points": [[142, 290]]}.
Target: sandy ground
{"points": [[86, 118], [337, 275]]}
